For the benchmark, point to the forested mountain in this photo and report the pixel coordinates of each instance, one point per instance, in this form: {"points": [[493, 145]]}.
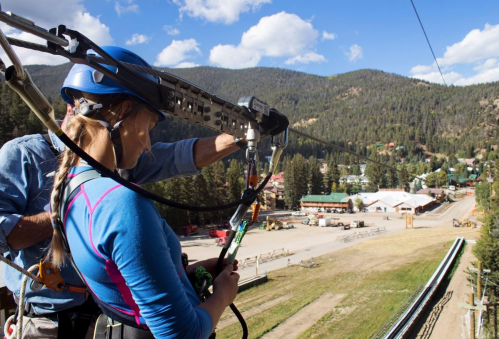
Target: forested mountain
{"points": [[354, 110]]}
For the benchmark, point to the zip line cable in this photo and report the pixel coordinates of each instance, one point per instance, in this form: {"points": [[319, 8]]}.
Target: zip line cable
{"points": [[305, 135], [428, 40]]}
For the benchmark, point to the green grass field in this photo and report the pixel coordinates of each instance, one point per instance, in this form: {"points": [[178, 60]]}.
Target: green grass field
{"points": [[375, 277]]}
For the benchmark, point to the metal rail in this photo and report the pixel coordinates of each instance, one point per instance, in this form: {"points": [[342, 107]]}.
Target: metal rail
{"points": [[407, 321]]}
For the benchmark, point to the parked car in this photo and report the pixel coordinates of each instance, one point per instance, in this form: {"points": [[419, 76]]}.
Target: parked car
{"points": [[299, 213], [452, 188], [349, 211]]}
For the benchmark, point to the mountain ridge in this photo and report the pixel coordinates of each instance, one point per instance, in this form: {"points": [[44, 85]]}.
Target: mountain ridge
{"points": [[355, 109]]}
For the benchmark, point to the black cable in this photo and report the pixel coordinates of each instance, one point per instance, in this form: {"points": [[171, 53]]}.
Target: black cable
{"points": [[428, 40], [241, 320], [115, 176], [350, 152], [220, 260]]}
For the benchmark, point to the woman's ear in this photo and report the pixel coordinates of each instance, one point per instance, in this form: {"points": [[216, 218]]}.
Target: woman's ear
{"points": [[125, 107]]}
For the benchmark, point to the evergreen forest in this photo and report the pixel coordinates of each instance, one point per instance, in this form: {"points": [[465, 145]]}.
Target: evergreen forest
{"points": [[364, 111]]}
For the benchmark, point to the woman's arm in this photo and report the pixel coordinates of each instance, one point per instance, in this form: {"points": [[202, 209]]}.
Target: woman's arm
{"points": [[147, 254]]}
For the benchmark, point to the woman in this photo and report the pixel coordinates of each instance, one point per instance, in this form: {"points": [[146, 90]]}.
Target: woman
{"points": [[128, 256]]}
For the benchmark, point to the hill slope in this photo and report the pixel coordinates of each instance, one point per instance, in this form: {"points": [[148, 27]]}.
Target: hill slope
{"points": [[358, 108]]}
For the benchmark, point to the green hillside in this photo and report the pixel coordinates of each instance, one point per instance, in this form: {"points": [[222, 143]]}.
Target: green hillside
{"points": [[354, 110]]}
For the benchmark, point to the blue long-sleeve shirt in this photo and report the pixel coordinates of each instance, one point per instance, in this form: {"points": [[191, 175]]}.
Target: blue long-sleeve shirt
{"points": [[27, 167], [131, 259]]}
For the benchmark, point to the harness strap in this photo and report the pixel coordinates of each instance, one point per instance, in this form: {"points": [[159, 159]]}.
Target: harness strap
{"points": [[73, 185], [72, 188], [107, 328]]}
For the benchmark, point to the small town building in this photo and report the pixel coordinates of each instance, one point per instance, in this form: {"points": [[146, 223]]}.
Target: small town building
{"points": [[393, 201], [354, 179], [436, 193], [333, 200]]}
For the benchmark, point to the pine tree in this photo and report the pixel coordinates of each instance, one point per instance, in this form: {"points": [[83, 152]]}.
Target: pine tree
{"points": [[376, 175], [315, 176], [335, 173], [403, 178], [328, 181], [296, 183], [235, 180], [391, 175]]}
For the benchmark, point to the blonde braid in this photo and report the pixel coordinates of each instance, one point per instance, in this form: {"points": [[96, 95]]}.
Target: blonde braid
{"points": [[76, 129], [56, 252]]}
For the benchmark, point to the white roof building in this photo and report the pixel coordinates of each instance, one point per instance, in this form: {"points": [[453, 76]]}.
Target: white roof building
{"points": [[393, 201], [351, 179]]}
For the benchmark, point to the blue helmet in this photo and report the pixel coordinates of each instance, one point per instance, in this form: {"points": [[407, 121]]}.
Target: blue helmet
{"points": [[84, 78]]}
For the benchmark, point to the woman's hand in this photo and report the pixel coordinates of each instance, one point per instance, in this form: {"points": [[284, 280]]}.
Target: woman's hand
{"points": [[210, 265], [225, 285]]}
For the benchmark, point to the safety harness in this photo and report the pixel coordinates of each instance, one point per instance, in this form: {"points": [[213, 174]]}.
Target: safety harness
{"points": [[113, 324], [72, 188]]}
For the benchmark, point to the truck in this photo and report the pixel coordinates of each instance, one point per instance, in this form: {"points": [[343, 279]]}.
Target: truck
{"points": [[357, 224], [313, 222], [219, 233], [325, 222], [190, 230]]}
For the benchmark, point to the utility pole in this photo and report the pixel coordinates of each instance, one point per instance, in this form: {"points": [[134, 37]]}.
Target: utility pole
{"points": [[479, 282], [475, 305]]}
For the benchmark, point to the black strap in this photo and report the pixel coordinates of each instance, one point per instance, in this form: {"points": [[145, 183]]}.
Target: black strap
{"points": [[107, 328], [86, 312]]}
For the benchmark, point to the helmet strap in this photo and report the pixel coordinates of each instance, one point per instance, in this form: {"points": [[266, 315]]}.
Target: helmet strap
{"points": [[115, 134], [88, 109]]}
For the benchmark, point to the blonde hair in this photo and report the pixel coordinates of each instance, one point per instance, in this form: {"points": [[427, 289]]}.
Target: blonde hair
{"points": [[78, 126]]}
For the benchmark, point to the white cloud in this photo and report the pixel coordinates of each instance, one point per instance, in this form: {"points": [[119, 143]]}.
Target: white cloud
{"points": [[226, 11], [229, 56], [422, 69], [328, 36], [138, 39], [279, 35], [177, 52], [305, 59], [476, 46], [171, 30], [435, 77], [186, 64], [36, 11], [356, 52], [478, 51], [131, 8]]}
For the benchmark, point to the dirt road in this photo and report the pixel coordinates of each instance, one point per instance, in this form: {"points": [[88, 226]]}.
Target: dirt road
{"points": [[305, 242]]}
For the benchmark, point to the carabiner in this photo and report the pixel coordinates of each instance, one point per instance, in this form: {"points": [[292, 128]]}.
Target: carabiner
{"points": [[277, 149]]}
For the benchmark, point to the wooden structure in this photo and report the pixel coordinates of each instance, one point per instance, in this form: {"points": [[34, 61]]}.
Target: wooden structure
{"points": [[333, 200]]}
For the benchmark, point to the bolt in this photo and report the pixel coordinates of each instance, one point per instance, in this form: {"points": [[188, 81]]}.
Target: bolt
{"points": [[49, 271]]}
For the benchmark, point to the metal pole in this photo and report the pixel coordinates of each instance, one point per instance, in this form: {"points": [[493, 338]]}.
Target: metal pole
{"points": [[472, 316], [479, 282]]}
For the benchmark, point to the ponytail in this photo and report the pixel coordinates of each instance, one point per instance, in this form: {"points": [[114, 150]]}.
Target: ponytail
{"points": [[56, 251]]}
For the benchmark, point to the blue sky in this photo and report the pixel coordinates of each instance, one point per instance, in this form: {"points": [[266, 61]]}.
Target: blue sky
{"points": [[317, 37]]}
